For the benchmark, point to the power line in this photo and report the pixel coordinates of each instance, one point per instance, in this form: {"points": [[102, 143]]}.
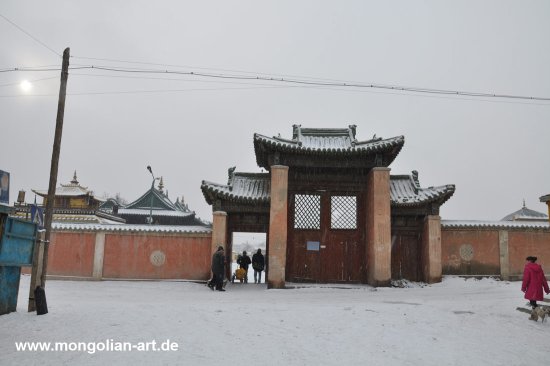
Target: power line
{"points": [[41, 68], [31, 81], [326, 81], [275, 87], [151, 91], [31, 36], [332, 84], [353, 85], [164, 79], [271, 87], [200, 68]]}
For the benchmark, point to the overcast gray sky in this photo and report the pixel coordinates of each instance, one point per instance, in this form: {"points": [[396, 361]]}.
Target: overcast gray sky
{"points": [[496, 151]]}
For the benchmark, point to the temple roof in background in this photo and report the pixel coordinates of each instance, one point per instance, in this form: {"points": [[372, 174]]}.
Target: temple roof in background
{"points": [[73, 189], [479, 224], [525, 214]]}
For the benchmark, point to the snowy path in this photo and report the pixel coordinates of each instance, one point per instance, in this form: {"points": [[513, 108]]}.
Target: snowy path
{"points": [[456, 322]]}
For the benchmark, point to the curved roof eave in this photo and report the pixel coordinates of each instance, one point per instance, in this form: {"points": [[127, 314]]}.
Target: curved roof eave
{"points": [[264, 144], [212, 191], [444, 194]]}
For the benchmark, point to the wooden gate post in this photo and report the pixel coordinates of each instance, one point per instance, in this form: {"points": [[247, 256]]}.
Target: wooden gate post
{"points": [[378, 227], [278, 227]]}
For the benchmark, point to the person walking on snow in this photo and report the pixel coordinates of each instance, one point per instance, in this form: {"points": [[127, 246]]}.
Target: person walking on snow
{"points": [[218, 269], [258, 264], [534, 282], [244, 261]]}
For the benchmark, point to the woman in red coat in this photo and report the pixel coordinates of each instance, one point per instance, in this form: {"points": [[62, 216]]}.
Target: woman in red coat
{"points": [[534, 281]]}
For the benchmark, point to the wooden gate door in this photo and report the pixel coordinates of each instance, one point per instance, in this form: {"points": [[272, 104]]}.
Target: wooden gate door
{"points": [[324, 239], [341, 258], [304, 239], [405, 257]]}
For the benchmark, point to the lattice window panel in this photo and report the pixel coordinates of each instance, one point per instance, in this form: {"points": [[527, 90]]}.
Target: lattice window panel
{"points": [[343, 212], [307, 211]]}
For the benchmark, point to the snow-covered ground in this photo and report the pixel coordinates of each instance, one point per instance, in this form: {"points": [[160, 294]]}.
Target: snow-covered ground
{"points": [[456, 322]]}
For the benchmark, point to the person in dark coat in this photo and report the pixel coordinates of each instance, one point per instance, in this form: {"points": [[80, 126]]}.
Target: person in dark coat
{"points": [[218, 269], [244, 261], [534, 282], [258, 264]]}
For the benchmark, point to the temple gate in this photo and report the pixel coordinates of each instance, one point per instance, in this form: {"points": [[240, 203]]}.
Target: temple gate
{"points": [[332, 211]]}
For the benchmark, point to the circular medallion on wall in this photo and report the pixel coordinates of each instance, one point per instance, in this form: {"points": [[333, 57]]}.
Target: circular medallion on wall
{"points": [[157, 258], [466, 252]]}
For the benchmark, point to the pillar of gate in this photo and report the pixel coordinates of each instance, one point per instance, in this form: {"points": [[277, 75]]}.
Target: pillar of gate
{"points": [[378, 227], [219, 231], [431, 249], [278, 227]]}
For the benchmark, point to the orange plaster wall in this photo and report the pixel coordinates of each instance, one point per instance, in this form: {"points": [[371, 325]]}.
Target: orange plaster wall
{"points": [[486, 252], [71, 254], [523, 244], [128, 256], [486, 259]]}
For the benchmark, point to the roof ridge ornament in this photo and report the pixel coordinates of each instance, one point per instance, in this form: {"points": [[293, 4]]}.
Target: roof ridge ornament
{"points": [[161, 185], [353, 131], [294, 142], [373, 139], [297, 132], [415, 177], [75, 180], [231, 176]]}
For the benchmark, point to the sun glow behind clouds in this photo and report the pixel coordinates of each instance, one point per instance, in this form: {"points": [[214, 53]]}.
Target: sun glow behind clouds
{"points": [[26, 86]]}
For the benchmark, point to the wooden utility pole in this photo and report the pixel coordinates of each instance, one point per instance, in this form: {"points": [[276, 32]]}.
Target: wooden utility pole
{"points": [[37, 258], [55, 162]]}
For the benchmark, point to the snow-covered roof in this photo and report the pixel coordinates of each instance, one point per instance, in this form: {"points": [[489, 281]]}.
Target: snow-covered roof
{"points": [[325, 142], [243, 187], [73, 189], [155, 212], [180, 205], [405, 191], [495, 224], [66, 216], [65, 191], [545, 198], [153, 197], [129, 228], [525, 214]]}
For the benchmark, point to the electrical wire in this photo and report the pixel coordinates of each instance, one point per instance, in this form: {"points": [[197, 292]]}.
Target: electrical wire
{"points": [[201, 68], [298, 82], [295, 86], [292, 79], [327, 81], [319, 83], [272, 87], [151, 91], [31, 36], [31, 81]]}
